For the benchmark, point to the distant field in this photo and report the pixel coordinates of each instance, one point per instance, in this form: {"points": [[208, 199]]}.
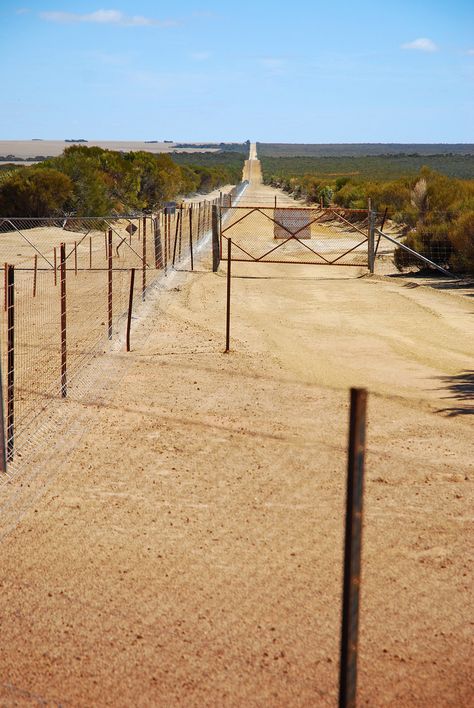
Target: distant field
{"points": [[361, 149], [371, 167], [24, 149]]}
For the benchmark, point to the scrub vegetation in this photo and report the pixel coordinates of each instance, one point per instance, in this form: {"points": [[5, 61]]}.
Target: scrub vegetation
{"points": [[91, 181], [433, 207]]}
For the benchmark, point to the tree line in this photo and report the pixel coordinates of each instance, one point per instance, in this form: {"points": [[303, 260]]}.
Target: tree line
{"points": [[91, 181]]}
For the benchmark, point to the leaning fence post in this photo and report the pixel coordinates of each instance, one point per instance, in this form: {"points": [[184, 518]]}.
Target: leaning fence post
{"points": [[176, 236], [130, 306], [229, 278], [55, 261], [215, 239], [352, 550], [10, 361], [109, 286], [63, 321], [5, 285], [380, 233]]}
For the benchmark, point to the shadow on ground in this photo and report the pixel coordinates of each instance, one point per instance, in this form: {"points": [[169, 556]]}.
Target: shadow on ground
{"points": [[461, 388]]}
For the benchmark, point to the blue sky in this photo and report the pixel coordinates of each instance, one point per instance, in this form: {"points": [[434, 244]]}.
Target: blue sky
{"points": [[393, 71]]}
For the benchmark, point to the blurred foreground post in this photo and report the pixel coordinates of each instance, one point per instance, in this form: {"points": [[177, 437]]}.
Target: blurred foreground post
{"points": [[352, 550]]}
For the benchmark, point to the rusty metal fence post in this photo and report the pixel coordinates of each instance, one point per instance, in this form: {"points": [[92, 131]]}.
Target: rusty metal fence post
{"points": [[215, 239], [191, 236], [144, 259], [109, 286], [352, 550], [5, 286], [371, 241], [229, 278], [180, 231], [35, 274], [10, 361], [63, 320]]}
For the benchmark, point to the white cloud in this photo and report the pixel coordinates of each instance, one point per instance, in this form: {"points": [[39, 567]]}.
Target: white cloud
{"points": [[470, 52], [422, 44], [22, 11], [110, 17]]}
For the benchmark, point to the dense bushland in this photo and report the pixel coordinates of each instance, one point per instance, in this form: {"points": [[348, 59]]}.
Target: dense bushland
{"points": [[375, 167], [362, 149], [435, 212], [92, 181]]}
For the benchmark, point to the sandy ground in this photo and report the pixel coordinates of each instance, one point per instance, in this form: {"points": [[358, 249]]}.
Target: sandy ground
{"points": [[189, 550]]}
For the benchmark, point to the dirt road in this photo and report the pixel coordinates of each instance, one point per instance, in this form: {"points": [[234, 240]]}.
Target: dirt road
{"points": [[189, 552]]}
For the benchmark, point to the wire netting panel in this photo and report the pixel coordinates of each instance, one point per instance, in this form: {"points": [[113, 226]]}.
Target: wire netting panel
{"points": [[297, 235], [68, 300]]}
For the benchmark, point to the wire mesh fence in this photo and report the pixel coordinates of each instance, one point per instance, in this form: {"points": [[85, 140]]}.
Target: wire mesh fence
{"points": [[66, 296], [66, 288], [283, 234]]}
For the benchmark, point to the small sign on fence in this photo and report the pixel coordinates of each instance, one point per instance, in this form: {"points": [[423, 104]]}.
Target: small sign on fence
{"points": [[292, 222]]}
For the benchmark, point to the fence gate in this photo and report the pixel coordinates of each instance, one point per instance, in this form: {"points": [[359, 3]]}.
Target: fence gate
{"points": [[306, 235]]}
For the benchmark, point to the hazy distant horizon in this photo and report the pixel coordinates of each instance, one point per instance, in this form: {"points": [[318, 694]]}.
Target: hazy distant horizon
{"points": [[35, 147]]}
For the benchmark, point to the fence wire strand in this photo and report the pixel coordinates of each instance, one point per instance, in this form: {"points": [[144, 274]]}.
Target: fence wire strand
{"points": [[58, 338]]}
